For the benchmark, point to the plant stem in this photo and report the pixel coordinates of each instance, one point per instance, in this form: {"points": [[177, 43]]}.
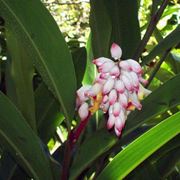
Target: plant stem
{"points": [[157, 67], [72, 139], [153, 22]]}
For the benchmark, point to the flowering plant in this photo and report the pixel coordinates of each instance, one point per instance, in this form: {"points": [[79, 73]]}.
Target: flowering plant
{"points": [[41, 98], [117, 90]]}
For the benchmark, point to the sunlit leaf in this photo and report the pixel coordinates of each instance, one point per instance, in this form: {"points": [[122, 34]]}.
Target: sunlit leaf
{"points": [[141, 148], [163, 98]]}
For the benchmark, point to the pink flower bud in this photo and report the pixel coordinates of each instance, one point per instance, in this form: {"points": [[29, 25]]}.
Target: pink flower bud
{"points": [[144, 81], [128, 75], [95, 89], [118, 133], [135, 79], [110, 110], [111, 121], [108, 86], [106, 67], [134, 100], [78, 102], [104, 75], [101, 61], [123, 116], [105, 99], [115, 71], [125, 65], [135, 66], [112, 96], [116, 109], [127, 82], [116, 51], [119, 124], [99, 79], [82, 93], [105, 107], [119, 86], [83, 111], [123, 100]]}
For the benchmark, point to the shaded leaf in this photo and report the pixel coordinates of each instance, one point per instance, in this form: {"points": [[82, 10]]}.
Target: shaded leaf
{"points": [[21, 74], [101, 28], [18, 138], [30, 22], [125, 25], [92, 150], [48, 113]]}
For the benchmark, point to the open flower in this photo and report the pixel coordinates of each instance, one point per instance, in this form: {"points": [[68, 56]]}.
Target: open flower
{"points": [[117, 90]]}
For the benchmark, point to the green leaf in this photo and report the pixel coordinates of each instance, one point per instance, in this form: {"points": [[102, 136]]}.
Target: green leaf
{"points": [[168, 42], [140, 149], [163, 74], [79, 59], [149, 167], [21, 74], [18, 138], [101, 28], [160, 100], [170, 60], [125, 25], [90, 71], [166, 163], [33, 25], [48, 113]]}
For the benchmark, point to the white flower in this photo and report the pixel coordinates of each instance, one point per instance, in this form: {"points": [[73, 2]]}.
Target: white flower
{"points": [[116, 51], [83, 111], [117, 90]]}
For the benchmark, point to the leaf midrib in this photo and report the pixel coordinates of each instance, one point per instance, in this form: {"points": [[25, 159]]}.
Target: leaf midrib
{"points": [[40, 56], [20, 154]]}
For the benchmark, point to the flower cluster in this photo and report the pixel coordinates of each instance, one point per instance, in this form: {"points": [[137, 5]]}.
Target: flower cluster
{"points": [[117, 90]]}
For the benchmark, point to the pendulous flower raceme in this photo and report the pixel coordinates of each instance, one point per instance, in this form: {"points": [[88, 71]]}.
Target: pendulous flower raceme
{"points": [[116, 90]]}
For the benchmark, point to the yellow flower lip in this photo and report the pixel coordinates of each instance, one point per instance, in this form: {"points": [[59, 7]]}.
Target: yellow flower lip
{"points": [[96, 103]]}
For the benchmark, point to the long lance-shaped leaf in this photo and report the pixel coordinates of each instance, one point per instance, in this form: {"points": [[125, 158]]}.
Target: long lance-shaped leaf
{"points": [[140, 149], [21, 74], [162, 99], [33, 25], [168, 42], [79, 60], [48, 113], [18, 138], [125, 25], [101, 28]]}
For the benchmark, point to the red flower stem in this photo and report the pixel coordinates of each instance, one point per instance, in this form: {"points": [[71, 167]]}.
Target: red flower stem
{"points": [[72, 139], [74, 135]]}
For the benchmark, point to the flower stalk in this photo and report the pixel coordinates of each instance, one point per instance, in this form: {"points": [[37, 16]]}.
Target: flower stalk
{"points": [[117, 90]]}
